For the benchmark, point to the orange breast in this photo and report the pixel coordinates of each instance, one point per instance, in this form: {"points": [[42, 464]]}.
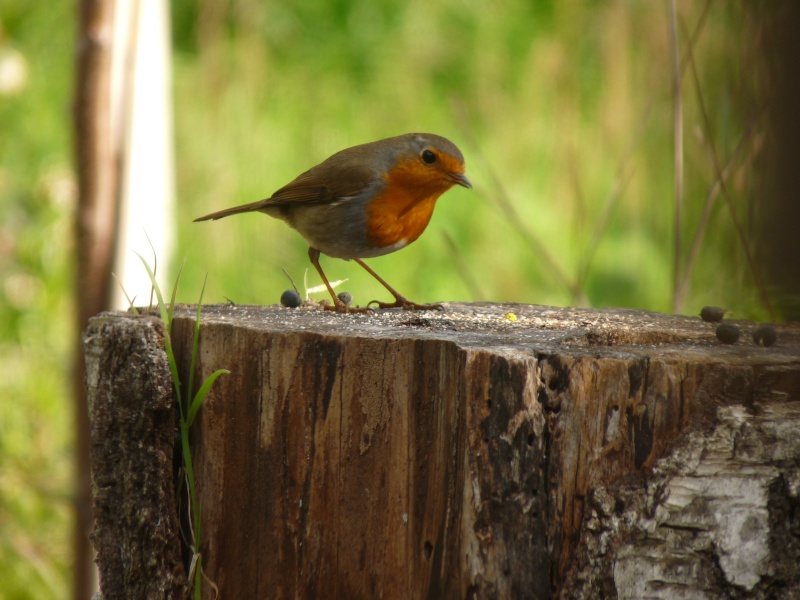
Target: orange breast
{"points": [[402, 212]]}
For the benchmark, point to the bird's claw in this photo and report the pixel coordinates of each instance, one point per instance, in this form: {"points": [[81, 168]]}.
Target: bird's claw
{"points": [[406, 305], [341, 307]]}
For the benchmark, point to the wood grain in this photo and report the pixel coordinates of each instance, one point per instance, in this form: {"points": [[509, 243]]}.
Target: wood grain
{"points": [[446, 455], [463, 454]]}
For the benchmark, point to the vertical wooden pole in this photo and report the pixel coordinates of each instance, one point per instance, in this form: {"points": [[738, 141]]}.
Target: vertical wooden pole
{"points": [[778, 245], [95, 225]]}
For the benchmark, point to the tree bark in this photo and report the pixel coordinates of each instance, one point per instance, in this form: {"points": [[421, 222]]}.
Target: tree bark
{"points": [[134, 427], [715, 518], [469, 453]]}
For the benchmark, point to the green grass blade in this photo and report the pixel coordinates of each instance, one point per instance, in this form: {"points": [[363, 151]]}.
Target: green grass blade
{"points": [[166, 316], [161, 305], [155, 261], [187, 463], [193, 506], [197, 402], [171, 308], [131, 307], [173, 369], [186, 417], [198, 574], [196, 340], [198, 579]]}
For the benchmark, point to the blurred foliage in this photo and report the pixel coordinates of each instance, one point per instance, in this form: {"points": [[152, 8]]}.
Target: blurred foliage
{"points": [[555, 105], [37, 197]]}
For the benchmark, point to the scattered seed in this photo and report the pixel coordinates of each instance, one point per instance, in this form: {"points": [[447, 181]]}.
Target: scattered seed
{"points": [[345, 297], [712, 314], [765, 335], [727, 333], [291, 299]]}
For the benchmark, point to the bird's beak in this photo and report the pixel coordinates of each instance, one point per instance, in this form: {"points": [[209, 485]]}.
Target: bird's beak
{"points": [[460, 179]]}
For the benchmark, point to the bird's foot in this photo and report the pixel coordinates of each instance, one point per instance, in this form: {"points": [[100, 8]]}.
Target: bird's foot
{"points": [[405, 304], [341, 307]]}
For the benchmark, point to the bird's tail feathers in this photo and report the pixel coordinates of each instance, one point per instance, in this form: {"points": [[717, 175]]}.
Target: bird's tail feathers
{"points": [[252, 207]]}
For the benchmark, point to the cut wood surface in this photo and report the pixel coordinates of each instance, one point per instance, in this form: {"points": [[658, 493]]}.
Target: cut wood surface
{"points": [[476, 453]]}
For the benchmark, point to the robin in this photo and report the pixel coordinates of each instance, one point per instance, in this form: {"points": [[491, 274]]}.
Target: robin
{"points": [[366, 201]]}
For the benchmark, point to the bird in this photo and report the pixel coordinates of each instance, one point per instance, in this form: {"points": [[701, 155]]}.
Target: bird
{"points": [[366, 201]]}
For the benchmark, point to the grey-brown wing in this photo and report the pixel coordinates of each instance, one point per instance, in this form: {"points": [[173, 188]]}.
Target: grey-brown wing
{"points": [[340, 177], [324, 184]]}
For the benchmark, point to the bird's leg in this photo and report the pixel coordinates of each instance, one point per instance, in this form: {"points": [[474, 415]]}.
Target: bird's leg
{"points": [[338, 305], [399, 300]]}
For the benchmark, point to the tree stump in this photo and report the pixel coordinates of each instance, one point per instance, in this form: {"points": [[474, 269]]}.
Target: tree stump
{"points": [[474, 453]]}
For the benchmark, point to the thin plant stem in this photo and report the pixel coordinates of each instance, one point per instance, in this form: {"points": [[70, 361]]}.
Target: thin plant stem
{"points": [[677, 129], [711, 197], [718, 170], [502, 199], [621, 180]]}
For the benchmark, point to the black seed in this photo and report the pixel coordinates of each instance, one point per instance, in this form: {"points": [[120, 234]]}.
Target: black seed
{"points": [[712, 314], [727, 333], [291, 299], [765, 336], [345, 297]]}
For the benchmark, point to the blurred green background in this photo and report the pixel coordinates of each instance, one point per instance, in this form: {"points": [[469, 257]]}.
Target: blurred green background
{"points": [[564, 111]]}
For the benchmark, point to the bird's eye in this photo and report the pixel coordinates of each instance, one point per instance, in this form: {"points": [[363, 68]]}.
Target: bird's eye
{"points": [[428, 157]]}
